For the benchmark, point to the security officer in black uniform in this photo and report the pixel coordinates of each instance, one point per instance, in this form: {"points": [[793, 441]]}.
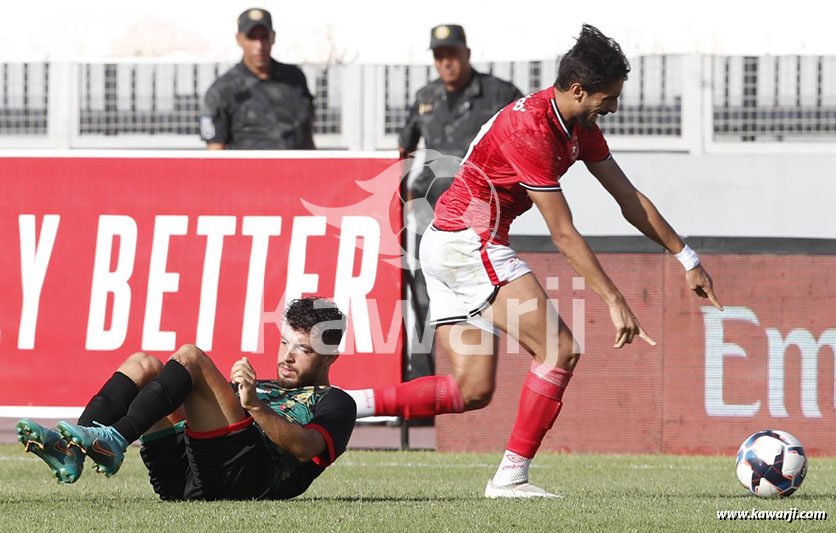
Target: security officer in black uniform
{"points": [[449, 111], [259, 104]]}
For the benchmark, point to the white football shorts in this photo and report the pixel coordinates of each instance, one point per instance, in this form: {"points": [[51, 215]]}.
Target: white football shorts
{"points": [[463, 275]]}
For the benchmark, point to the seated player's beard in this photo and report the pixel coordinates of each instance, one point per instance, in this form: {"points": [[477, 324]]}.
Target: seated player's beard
{"points": [[288, 382], [300, 378]]}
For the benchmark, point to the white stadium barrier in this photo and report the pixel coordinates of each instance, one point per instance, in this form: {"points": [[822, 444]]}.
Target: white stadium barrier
{"points": [[694, 104]]}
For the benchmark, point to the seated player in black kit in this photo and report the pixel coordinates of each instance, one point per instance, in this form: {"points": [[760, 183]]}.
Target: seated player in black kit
{"points": [[258, 439]]}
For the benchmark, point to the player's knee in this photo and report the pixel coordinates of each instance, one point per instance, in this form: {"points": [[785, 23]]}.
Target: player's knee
{"points": [[568, 361], [477, 395], [190, 356], [566, 356], [568, 353], [141, 368], [148, 363]]}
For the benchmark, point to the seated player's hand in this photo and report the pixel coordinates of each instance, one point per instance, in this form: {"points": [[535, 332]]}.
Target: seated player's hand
{"points": [[243, 374], [700, 282], [626, 324]]}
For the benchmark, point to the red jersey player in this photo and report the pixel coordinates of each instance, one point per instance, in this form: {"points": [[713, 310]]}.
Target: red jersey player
{"points": [[476, 281]]}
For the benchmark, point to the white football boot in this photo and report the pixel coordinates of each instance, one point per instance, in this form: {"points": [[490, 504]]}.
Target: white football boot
{"points": [[517, 490]]}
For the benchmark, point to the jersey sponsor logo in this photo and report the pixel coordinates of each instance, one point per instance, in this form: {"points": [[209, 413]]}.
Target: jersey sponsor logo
{"points": [[207, 127]]}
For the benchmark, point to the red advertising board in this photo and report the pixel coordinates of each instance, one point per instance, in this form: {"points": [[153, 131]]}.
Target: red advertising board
{"points": [[714, 377], [103, 257]]}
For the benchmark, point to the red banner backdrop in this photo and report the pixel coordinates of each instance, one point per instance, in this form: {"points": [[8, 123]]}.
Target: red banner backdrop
{"points": [[104, 257], [713, 379]]}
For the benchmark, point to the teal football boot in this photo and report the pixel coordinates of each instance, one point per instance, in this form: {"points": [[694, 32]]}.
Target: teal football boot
{"points": [[103, 444], [65, 461]]}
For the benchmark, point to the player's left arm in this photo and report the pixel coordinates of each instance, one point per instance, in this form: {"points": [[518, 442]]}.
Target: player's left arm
{"points": [[410, 133], [308, 126], [515, 94], [301, 442], [308, 140], [639, 211]]}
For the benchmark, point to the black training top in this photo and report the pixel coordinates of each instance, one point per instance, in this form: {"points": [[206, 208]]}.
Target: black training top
{"points": [[247, 113], [450, 128], [449, 121], [328, 410]]}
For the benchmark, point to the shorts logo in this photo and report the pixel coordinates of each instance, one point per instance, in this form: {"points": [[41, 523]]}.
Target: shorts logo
{"points": [[207, 128]]}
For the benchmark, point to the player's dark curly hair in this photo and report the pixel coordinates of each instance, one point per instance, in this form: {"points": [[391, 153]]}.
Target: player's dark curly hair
{"points": [[596, 62], [319, 315]]}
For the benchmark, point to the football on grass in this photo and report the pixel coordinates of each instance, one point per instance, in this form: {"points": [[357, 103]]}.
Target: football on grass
{"points": [[771, 464]]}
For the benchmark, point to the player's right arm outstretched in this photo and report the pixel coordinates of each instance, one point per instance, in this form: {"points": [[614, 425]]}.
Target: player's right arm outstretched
{"points": [[571, 244], [639, 211]]}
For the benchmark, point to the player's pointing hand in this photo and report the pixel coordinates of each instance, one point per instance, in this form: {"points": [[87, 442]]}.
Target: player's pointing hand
{"points": [[627, 326], [700, 282]]}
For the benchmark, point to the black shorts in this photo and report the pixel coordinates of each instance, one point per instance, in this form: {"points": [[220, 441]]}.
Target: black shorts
{"points": [[231, 464]]}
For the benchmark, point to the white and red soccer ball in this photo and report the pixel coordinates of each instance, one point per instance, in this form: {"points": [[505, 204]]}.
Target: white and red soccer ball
{"points": [[771, 463]]}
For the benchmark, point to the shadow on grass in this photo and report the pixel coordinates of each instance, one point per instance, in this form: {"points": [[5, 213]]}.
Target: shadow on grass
{"points": [[383, 499], [741, 495], [56, 499], [808, 496], [746, 496], [53, 499]]}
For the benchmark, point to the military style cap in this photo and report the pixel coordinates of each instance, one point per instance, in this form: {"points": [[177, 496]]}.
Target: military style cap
{"points": [[253, 17], [447, 35]]}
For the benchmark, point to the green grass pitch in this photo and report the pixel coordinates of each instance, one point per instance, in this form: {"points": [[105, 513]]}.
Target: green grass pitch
{"points": [[419, 491]]}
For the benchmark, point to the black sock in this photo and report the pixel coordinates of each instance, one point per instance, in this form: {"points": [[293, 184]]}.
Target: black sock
{"points": [[111, 403], [157, 400]]}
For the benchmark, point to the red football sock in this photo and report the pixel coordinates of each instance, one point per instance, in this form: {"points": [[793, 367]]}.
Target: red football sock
{"points": [[540, 403], [420, 398]]}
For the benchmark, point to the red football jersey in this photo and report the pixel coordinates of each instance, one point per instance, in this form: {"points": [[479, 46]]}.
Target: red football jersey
{"points": [[526, 145]]}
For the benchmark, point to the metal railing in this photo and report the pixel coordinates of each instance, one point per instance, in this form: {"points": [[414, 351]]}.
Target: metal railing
{"points": [[789, 98], [684, 103], [24, 99]]}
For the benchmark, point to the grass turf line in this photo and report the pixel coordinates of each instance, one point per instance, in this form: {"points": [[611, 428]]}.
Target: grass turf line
{"points": [[419, 491]]}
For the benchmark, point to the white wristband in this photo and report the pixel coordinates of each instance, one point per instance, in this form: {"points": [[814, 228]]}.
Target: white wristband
{"points": [[688, 258]]}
